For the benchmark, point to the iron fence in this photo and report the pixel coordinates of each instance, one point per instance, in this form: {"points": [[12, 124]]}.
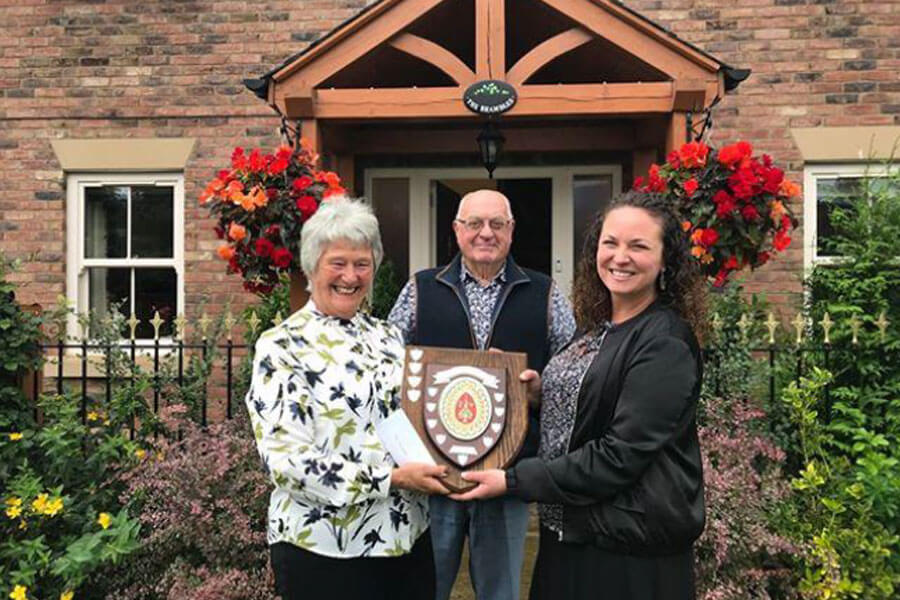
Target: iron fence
{"points": [[85, 366]]}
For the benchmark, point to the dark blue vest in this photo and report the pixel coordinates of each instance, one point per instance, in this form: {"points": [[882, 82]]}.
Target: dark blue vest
{"points": [[520, 319]]}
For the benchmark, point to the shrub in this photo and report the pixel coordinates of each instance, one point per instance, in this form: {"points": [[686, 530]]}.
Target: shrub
{"points": [[203, 503]]}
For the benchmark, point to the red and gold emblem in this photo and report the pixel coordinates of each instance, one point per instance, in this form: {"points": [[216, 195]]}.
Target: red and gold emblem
{"points": [[465, 410]]}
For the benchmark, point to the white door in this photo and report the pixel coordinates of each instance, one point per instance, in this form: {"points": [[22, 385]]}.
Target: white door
{"points": [[552, 206]]}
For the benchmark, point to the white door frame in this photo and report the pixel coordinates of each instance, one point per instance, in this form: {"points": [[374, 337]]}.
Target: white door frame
{"points": [[422, 207]]}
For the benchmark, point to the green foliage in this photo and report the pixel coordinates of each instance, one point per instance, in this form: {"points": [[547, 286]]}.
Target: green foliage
{"points": [[385, 289], [846, 505]]}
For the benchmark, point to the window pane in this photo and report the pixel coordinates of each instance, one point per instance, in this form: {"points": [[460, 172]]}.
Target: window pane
{"points": [[105, 215], [833, 193], [152, 211], [155, 290], [590, 193], [107, 288]]}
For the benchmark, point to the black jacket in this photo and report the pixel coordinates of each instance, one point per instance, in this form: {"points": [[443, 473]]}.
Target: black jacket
{"points": [[632, 479]]}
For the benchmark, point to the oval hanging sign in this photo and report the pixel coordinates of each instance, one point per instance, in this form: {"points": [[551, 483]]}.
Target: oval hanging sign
{"points": [[490, 97]]}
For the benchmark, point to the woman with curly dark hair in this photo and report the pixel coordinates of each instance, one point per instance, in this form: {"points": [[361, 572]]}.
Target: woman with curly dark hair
{"points": [[618, 476]]}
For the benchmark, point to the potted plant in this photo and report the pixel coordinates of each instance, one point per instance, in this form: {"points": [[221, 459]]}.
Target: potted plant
{"points": [[260, 204]]}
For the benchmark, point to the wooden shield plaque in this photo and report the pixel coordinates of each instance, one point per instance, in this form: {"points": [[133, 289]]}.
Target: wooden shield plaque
{"points": [[468, 407]]}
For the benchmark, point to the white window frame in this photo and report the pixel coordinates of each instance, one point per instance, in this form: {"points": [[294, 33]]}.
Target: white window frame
{"points": [[422, 207], [76, 264], [811, 175]]}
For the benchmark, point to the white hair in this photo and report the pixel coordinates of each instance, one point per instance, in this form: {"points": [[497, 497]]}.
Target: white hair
{"points": [[338, 219], [462, 201]]}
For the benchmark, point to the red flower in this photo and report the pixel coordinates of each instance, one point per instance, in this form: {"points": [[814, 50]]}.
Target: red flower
{"points": [[721, 276], [749, 212], [741, 183], [264, 247], [256, 162], [772, 179], [233, 265], [693, 154], [273, 231], [278, 166], [725, 204], [220, 233], [281, 257], [690, 186], [729, 156], [673, 160], [782, 240], [271, 193], [238, 160], [638, 182], [709, 237], [762, 258], [731, 263], [224, 175], [302, 182], [656, 183], [307, 206]]}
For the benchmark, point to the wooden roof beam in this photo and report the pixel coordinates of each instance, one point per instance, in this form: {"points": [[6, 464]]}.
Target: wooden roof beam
{"points": [[614, 24], [435, 55], [490, 39], [545, 52], [534, 100]]}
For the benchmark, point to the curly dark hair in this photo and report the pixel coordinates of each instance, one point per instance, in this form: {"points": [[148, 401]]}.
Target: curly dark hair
{"points": [[685, 287]]}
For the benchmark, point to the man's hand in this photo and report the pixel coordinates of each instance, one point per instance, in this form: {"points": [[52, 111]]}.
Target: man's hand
{"points": [[491, 483], [419, 477], [532, 381]]}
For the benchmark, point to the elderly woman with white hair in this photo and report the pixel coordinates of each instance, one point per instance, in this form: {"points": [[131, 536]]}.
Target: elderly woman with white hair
{"points": [[344, 520]]}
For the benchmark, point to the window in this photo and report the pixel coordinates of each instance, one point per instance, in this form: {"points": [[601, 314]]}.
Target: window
{"points": [[125, 247], [828, 188]]}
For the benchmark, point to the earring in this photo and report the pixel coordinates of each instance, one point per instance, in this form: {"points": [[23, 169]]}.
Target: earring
{"points": [[662, 280]]}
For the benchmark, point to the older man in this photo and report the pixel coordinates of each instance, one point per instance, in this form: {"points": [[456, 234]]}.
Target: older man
{"points": [[481, 300]]}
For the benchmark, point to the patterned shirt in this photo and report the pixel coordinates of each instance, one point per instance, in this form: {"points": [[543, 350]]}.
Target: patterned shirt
{"points": [[560, 383], [319, 386], [481, 300]]}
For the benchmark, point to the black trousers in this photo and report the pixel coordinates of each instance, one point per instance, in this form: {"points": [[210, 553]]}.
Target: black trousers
{"points": [[566, 571], [304, 575]]}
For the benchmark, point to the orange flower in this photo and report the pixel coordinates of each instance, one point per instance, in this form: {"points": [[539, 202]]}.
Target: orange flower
{"points": [[213, 187], [234, 189], [237, 232], [788, 189], [225, 252], [250, 202], [697, 236], [686, 225], [697, 251], [776, 212]]}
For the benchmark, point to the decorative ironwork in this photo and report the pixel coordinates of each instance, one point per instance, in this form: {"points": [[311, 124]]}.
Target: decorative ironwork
{"points": [[799, 324], [133, 323], [826, 324], [882, 323], [157, 322], [204, 323], [697, 130], [181, 327], [229, 322], [744, 324], [253, 323], [855, 324], [771, 325]]}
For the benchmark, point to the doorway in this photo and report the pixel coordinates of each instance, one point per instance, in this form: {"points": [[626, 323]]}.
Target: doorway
{"points": [[552, 207]]}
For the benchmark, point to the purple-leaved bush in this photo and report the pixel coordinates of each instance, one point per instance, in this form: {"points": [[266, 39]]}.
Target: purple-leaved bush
{"points": [[203, 503], [736, 557]]}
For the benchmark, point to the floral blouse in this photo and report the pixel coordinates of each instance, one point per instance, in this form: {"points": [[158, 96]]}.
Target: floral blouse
{"points": [[320, 384]]}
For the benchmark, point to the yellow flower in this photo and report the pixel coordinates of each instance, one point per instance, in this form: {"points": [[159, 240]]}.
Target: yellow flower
{"points": [[67, 595], [13, 501], [53, 507], [93, 415], [15, 436], [140, 453], [19, 592], [39, 504], [23, 525], [104, 520], [13, 511]]}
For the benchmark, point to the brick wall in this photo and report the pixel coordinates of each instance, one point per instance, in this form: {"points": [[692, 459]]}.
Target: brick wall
{"points": [[136, 69], [815, 63], [156, 69]]}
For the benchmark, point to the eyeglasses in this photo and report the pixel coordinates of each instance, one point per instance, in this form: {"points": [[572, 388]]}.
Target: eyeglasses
{"points": [[475, 224]]}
